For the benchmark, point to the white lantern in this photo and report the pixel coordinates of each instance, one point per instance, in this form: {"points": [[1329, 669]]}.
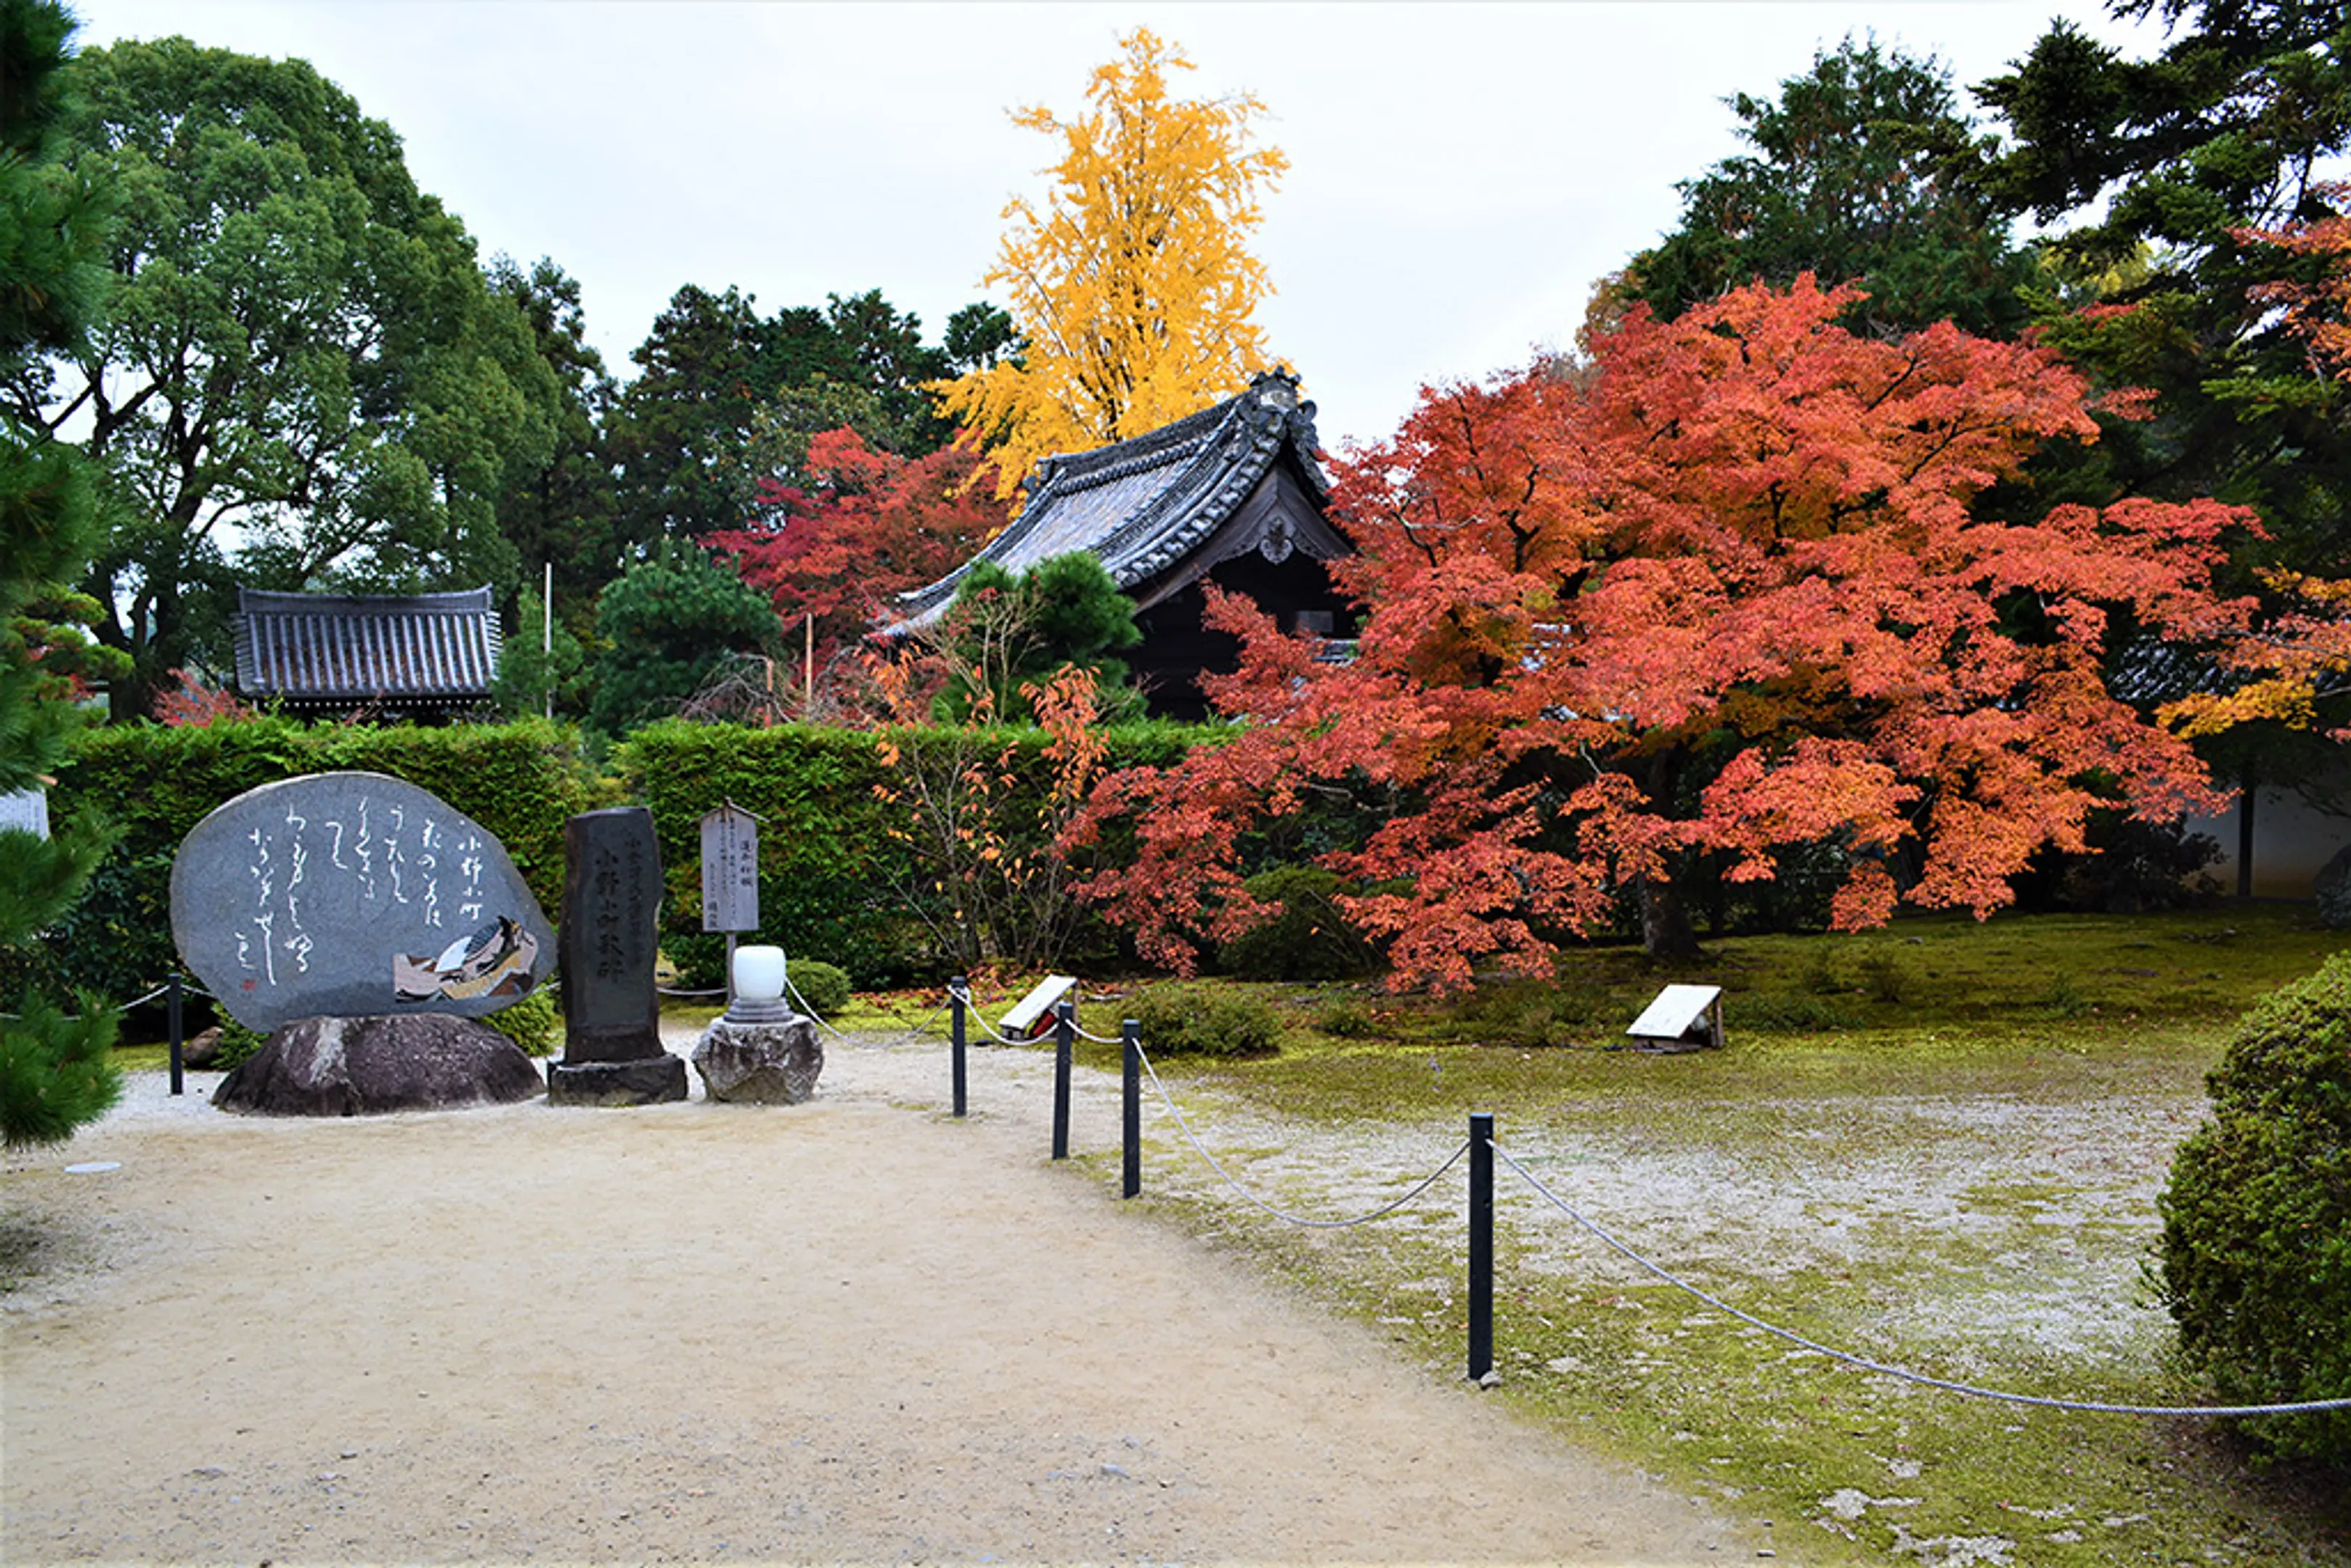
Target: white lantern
{"points": [[759, 985]]}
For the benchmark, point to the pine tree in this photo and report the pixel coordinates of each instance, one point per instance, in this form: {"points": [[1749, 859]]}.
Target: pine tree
{"points": [[55, 1071]]}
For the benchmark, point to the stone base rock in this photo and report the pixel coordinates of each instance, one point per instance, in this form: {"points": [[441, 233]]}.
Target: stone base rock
{"points": [[365, 1066], [761, 1063], [647, 1081]]}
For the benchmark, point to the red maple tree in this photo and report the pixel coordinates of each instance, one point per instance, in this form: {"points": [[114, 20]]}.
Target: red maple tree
{"points": [[869, 524], [1736, 587]]}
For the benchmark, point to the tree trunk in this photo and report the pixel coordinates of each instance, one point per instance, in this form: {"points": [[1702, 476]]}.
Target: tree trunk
{"points": [[1666, 930], [2248, 784]]}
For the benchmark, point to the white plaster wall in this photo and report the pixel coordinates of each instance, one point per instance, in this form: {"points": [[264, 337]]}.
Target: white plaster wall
{"points": [[2291, 839]]}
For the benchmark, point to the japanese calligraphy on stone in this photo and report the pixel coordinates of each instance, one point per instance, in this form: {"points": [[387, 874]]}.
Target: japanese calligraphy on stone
{"points": [[612, 908], [353, 893]]}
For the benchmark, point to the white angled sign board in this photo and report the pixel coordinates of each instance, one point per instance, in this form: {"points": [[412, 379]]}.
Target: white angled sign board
{"points": [[1033, 1013], [1682, 1018]]}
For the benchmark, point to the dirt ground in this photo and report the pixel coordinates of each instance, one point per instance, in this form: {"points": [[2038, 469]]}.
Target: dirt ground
{"points": [[854, 1330]]}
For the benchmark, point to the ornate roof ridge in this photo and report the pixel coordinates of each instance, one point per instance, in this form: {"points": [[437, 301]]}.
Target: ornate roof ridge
{"points": [[272, 601], [1273, 392], [1216, 455]]}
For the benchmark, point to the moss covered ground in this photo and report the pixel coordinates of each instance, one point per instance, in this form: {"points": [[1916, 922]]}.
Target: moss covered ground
{"points": [[1937, 1146]]}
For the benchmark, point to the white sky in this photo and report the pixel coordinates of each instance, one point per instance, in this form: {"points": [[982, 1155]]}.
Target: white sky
{"points": [[1459, 174]]}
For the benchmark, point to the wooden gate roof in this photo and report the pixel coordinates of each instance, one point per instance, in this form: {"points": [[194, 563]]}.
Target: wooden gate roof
{"points": [[408, 648]]}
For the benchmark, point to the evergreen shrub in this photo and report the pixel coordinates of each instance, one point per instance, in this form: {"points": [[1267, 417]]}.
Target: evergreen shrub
{"points": [[237, 1044], [534, 1023], [56, 1068], [1310, 939], [2255, 1258], [823, 988], [1180, 1020], [1347, 1021]]}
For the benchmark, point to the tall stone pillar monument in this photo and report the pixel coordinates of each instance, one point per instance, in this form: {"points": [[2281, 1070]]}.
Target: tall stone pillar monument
{"points": [[613, 1052]]}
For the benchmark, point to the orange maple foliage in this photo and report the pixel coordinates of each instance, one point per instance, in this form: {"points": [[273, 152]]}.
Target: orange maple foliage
{"points": [[194, 703], [2320, 311], [871, 524], [2287, 665], [1731, 594]]}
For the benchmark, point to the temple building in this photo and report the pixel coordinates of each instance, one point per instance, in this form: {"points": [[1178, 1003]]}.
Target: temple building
{"points": [[1232, 494]]}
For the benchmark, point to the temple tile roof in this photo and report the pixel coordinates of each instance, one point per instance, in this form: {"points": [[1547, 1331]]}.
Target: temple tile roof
{"points": [[441, 647], [1142, 505]]}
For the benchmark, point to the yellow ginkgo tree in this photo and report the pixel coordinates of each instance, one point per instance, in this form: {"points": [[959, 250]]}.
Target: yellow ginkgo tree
{"points": [[1133, 286]]}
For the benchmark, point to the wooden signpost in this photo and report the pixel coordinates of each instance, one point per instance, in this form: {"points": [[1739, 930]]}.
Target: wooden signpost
{"points": [[730, 877]]}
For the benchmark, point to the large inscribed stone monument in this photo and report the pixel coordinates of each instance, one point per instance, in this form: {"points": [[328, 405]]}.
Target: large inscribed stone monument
{"points": [[613, 1052], [350, 894]]}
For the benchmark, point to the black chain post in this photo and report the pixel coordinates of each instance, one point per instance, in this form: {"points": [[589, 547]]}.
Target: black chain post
{"points": [[1065, 1029], [956, 989], [1130, 1107], [178, 1056], [1481, 1244]]}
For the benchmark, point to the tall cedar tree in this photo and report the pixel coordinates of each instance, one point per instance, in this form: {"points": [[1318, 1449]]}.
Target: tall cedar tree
{"points": [[699, 375], [868, 524], [722, 392], [1849, 179], [1132, 291], [2170, 164], [301, 348], [2297, 670], [1728, 596], [54, 1073], [559, 512]]}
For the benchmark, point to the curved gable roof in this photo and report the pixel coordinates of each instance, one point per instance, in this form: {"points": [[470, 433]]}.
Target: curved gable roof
{"points": [[1140, 506]]}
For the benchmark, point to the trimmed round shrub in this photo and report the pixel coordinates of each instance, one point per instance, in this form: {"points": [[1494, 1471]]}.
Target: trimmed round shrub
{"points": [[823, 988], [1178, 1020], [2255, 1262], [1310, 939]]}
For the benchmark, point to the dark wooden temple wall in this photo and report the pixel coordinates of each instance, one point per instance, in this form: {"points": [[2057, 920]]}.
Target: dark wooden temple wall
{"points": [[1176, 647]]}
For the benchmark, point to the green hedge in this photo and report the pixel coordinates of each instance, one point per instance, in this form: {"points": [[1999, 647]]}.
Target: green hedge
{"points": [[152, 784], [834, 885], [520, 780]]}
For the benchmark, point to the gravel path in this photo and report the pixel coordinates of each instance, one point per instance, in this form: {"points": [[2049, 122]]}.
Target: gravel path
{"points": [[854, 1330]]}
